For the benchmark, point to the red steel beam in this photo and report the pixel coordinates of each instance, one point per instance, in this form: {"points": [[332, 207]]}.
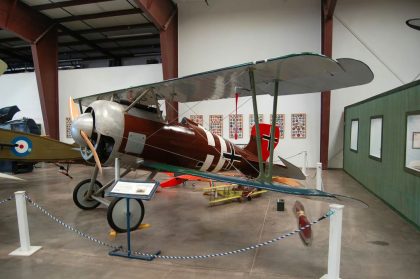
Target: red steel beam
{"points": [[22, 20], [41, 32], [327, 11], [163, 14], [45, 56]]}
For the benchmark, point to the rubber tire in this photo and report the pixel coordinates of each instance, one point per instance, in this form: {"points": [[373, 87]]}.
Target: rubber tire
{"points": [[82, 183], [118, 228]]}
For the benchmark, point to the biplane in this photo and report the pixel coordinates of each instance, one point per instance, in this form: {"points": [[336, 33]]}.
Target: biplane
{"points": [[26, 147], [128, 124]]}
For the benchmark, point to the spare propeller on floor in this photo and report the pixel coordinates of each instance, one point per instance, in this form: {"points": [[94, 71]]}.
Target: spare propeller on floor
{"points": [[82, 125]]}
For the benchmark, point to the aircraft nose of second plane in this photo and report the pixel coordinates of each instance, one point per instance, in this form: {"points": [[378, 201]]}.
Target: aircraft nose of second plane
{"points": [[83, 123]]}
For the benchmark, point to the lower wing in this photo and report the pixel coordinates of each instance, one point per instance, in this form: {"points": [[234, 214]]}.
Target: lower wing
{"points": [[275, 187]]}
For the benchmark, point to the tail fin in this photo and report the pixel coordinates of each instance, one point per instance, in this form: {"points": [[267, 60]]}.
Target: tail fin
{"points": [[265, 130]]}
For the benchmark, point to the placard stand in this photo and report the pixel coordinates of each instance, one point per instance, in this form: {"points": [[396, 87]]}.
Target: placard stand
{"points": [[119, 193]]}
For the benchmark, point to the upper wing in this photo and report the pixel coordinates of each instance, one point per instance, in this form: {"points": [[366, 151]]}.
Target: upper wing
{"points": [[277, 187], [296, 73]]}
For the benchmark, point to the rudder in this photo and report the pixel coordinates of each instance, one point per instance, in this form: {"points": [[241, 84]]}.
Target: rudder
{"points": [[265, 130]]}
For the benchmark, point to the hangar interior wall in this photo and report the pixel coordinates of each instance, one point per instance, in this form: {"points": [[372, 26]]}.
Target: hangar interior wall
{"points": [[236, 31], [387, 178], [375, 33], [232, 32], [21, 89]]}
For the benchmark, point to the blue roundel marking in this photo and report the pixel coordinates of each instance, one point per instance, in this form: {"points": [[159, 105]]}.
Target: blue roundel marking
{"points": [[23, 146]]}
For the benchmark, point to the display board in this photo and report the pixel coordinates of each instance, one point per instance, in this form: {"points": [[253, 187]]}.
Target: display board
{"points": [[252, 120], [280, 122], [298, 126], [236, 125], [216, 124], [68, 128], [197, 118]]}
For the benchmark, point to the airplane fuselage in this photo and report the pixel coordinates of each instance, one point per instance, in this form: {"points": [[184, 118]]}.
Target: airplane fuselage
{"points": [[140, 134]]}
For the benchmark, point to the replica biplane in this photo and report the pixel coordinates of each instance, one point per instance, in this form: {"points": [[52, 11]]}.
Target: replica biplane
{"points": [[26, 147], [128, 124], [3, 67]]}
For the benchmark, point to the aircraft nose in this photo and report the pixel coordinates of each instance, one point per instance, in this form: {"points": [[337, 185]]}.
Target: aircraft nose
{"points": [[82, 123]]}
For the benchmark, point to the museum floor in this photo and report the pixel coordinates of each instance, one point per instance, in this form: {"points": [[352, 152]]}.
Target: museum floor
{"points": [[377, 242]]}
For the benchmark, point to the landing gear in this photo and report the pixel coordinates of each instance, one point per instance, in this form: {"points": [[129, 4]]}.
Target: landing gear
{"points": [[82, 196], [117, 214]]}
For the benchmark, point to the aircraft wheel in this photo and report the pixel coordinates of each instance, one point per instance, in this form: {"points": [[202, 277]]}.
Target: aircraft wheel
{"points": [[117, 214], [80, 192]]}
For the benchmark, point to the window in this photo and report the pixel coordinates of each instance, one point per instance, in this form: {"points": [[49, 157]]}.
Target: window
{"points": [[412, 143], [354, 134], [375, 137]]}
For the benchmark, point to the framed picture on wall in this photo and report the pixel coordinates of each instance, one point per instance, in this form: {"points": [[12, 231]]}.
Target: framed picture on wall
{"points": [[68, 127], [216, 124], [416, 140], [298, 127], [412, 143], [252, 122], [236, 124], [280, 122], [197, 118]]}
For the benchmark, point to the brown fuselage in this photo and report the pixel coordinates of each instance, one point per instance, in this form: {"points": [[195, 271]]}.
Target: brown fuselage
{"points": [[187, 145]]}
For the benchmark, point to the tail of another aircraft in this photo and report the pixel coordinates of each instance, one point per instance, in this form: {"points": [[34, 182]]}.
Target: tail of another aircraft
{"points": [[265, 130]]}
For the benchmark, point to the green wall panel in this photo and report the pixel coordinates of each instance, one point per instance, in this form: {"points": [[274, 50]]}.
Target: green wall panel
{"points": [[386, 178]]}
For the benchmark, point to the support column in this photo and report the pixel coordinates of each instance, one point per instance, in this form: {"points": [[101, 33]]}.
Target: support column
{"points": [[37, 29], [45, 56], [169, 53], [327, 10], [164, 15]]}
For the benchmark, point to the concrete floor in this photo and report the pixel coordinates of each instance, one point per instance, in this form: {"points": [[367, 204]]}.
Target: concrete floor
{"points": [[377, 243]]}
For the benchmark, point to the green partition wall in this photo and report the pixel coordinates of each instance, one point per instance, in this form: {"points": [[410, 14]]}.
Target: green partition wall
{"points": [[387, 178]]}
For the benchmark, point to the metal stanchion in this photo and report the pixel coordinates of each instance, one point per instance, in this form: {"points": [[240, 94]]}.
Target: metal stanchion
{"points": [[25, 248], [319, 176], [334, 249]]}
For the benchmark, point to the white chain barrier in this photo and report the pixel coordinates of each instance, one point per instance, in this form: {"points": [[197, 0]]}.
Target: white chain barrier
{"points": [[114, 247]]}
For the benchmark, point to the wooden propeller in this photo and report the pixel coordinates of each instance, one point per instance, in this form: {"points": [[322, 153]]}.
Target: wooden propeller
{"points": [[74, 113]]}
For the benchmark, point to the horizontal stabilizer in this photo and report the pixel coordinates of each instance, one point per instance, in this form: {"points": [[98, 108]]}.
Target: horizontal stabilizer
{"points": [[288, 170]]}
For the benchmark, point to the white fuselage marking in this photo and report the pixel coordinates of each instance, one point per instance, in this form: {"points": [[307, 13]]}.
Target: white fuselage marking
{"points": [[223, 149], [207, 163], [210, 138]]}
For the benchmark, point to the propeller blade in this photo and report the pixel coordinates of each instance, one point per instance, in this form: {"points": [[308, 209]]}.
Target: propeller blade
{"points": [[95, 155], [74, 111]]}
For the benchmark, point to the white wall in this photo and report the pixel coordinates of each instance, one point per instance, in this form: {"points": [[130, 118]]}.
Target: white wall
{"points": [[231, 32], [21, 89], [375, 33]]}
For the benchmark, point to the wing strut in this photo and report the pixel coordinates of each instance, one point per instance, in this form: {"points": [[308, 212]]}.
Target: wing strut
{"points": [[137, 99], [272, 132], [257, 123]]}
